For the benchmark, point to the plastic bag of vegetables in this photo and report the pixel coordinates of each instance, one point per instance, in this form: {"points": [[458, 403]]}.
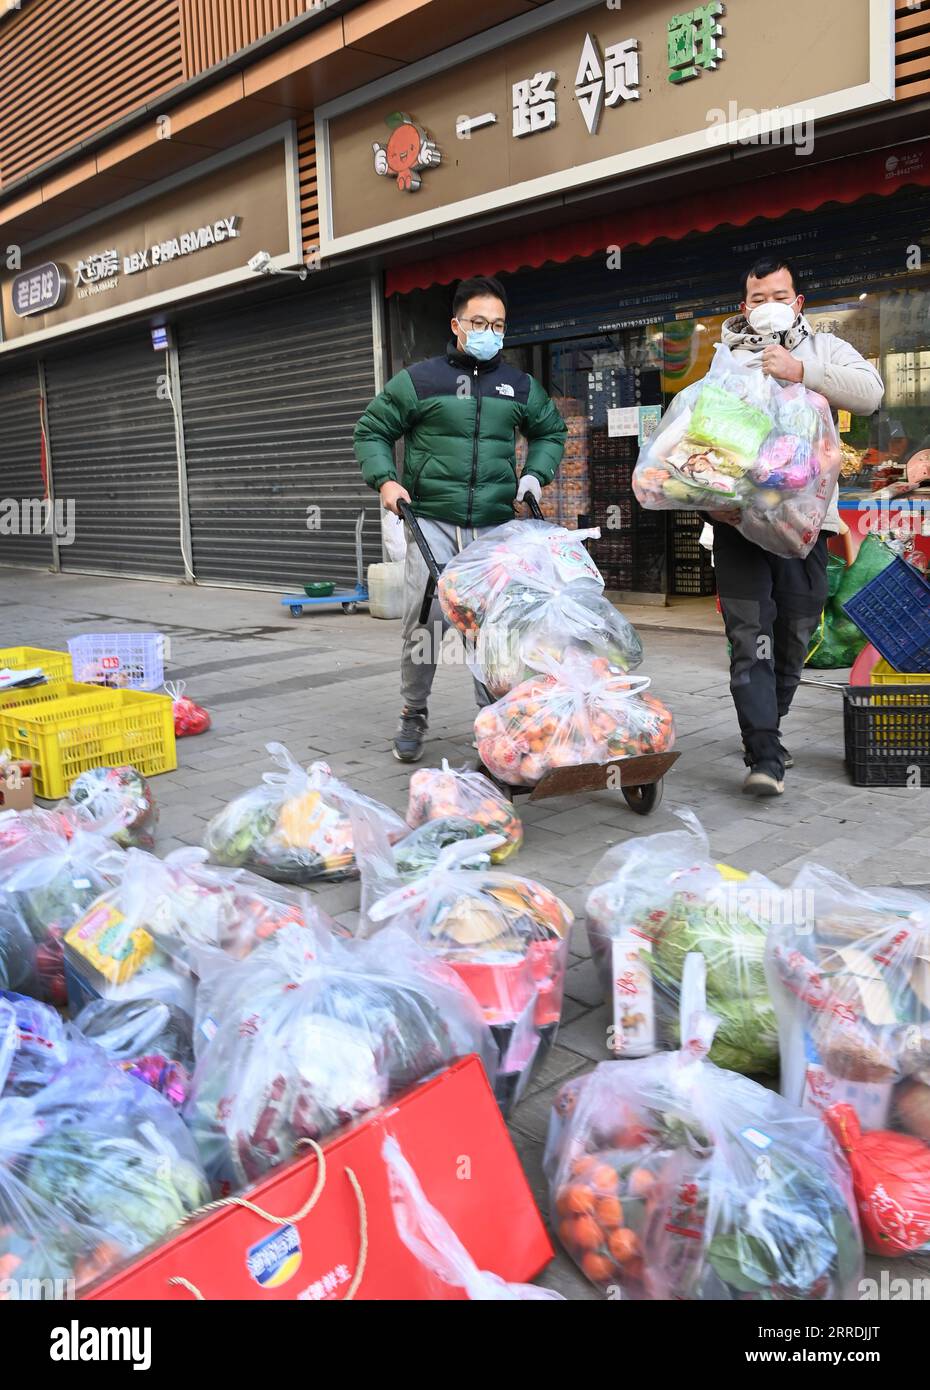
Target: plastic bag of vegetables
{"points": [[736, 438], [505, 937], [94, 1167], [438, 793], [119, 797], [654, 900], [673, 1179], [296, 827], [294, 1042], [149, 1038], [850, 979], [529, 590], [580, 710], [50, 879]]}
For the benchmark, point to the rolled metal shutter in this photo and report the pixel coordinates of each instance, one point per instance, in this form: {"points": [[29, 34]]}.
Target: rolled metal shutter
{"points": [[22, 484], [113, 446], [272, 391]]}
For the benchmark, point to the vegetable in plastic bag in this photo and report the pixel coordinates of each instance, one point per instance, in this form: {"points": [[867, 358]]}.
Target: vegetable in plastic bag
{"points": [[133, 1028], [673, 1179], [664, 892], [572, 712], [49, 880], [437, 793], [294, 1042], [736, 438], [428, 1235], [850, 979], [121, 795], [507, 939], [94, 1167], [296, 827], [527, 591], [189, 718]]}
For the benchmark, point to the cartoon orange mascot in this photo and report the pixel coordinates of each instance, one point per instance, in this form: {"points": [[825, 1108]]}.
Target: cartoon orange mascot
{"points": [[408, 149]]}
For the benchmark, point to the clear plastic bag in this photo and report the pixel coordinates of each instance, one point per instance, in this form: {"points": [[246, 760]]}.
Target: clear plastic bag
{"points": [[94, 1167], [438, 793], [134, 1028], [580, 710], [118, 797], [292, 1043], [49, 879], [505, 937], [736, 438], [654, 900], [850, 979], [670, 1178], [428, 1235], [189, 717], [528, 591], [296, 827]]}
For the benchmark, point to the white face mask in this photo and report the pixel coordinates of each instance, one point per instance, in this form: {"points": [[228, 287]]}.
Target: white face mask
{"points": [[771, 319]]}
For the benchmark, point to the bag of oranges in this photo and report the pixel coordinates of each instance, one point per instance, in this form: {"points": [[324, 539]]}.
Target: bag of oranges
{"points": [[439, 793], [673, 1179], [580, 710]]}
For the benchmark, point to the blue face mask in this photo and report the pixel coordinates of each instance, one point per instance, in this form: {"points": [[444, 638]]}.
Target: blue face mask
{"points": [[484, 345]]}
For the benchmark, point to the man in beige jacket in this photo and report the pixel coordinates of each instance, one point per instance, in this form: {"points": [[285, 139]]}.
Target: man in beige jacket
{"points": [[771, 605]]}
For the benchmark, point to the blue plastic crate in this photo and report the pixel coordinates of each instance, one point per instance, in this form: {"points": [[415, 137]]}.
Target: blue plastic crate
{"points": [[894, 613]]}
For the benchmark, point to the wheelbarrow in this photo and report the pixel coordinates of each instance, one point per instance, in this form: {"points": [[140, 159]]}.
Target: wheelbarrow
{"points": [[326, 595], [639, 779]]}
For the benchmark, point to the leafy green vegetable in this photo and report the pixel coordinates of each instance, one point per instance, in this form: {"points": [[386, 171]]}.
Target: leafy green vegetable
{"points": [[744, 1262]]}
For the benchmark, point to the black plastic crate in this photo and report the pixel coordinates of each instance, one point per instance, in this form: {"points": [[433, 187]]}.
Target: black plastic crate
{"points": [[887, 732], [695, 579]]}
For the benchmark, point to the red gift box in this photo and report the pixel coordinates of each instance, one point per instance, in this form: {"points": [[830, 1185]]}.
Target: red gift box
{"points": [[346, 1242]]}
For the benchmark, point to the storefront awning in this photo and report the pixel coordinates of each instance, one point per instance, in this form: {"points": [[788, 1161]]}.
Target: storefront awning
{"points": [[841, 181]]}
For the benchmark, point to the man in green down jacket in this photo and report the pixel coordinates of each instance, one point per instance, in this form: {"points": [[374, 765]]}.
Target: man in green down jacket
{"points": [[457, 415]]}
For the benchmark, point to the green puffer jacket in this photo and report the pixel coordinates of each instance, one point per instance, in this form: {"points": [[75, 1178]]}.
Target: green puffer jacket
{"points": [[458, 418]]}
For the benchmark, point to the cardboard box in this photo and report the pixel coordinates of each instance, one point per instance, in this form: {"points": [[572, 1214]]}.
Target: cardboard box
{"points": [[450, 1130], [16, 792]]}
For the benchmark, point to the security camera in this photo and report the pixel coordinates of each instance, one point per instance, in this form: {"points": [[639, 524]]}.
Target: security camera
{"points": [[260, 262]]}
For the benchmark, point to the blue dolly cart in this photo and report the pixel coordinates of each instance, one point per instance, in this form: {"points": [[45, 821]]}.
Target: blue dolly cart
{"points": [[348, 598]]}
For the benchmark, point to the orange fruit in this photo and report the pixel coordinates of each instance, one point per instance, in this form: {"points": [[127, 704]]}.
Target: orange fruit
{"points": [[567, 1231], [633, 1269], [597, 1267], [604, 1178], [641, 1182], [609, 1212], [581, 1201], [587, 1233], [623, 1245], [583, 1164]]}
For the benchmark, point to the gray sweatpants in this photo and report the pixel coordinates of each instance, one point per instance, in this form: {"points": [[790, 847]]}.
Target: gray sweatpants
{"points": [[418, 661]]}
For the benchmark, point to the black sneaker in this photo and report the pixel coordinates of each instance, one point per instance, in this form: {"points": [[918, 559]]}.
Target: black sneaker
{"points": [[785, 757], [408, 741], [764, 779]]}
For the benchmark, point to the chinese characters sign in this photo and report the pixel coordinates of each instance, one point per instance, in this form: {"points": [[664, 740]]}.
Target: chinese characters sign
{"points": [[692, 41], [38, 290]]}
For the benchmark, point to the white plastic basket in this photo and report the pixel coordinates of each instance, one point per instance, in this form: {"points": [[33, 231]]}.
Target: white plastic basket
{"points": [[123, 660]]}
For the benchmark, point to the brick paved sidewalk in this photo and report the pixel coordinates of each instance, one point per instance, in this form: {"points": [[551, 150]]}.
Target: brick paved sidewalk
{"points": [[326, 686]]}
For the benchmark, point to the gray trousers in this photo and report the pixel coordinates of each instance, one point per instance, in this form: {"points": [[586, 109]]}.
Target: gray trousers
{"points": [[421, 645]]}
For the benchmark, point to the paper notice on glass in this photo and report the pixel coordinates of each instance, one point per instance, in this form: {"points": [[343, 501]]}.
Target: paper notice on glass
{"points": [[649, 418], [622, 421]]}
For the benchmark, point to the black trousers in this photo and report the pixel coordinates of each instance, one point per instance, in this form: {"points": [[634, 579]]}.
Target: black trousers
{"points": [[771, 608]]}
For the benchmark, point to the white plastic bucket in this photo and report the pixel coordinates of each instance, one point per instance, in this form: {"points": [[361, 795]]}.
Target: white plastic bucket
{"points": [[386, 590]]}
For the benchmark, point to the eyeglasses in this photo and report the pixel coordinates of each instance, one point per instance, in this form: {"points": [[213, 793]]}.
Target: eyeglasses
{"points": [[479, 325]]}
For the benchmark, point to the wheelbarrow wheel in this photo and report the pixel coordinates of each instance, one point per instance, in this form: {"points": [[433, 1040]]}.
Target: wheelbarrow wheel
{"points": [[350, 608], [296, 610], [643, 800]]}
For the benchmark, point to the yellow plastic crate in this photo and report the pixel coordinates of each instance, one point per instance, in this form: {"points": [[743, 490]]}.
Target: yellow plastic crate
{"points": [[883, 673], [39, 694], [63, 738], [56, 665]]}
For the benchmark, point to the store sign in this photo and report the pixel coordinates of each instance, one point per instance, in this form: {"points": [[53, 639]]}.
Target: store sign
{"points": [[595, 92], [185, 238], [36, 291]]}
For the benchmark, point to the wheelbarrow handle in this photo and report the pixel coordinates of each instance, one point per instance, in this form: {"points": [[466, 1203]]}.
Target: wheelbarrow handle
{"points": [[535, 509], [405, 511]]}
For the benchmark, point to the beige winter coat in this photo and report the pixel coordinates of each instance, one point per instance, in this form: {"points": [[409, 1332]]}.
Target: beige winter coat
{"points": [[832, 367]]}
